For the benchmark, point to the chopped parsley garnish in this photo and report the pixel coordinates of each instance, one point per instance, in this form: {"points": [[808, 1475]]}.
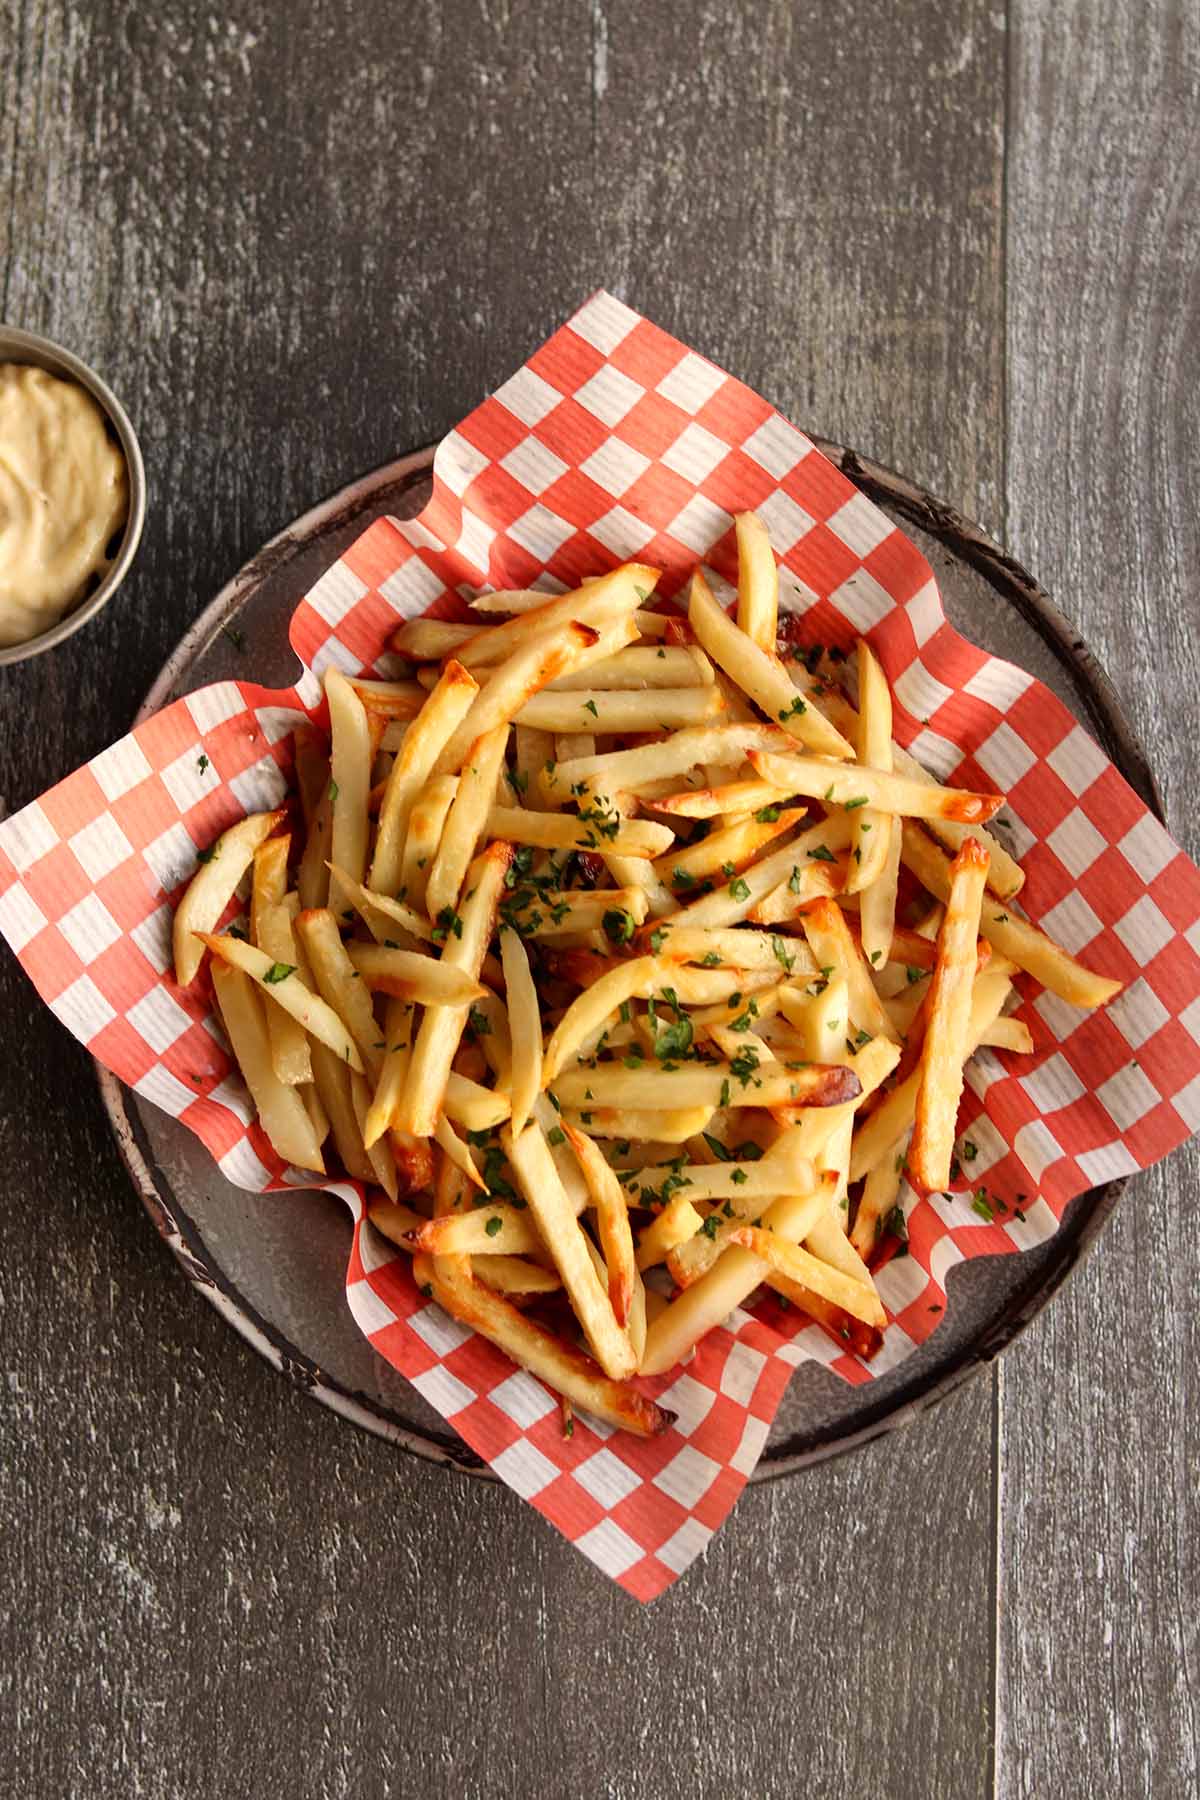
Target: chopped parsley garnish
{"points": [[793, 711], [711, 1226], [794, 881], [278, 971], [618, 925], [739, 889], [980, 1205], [556, 1136], [334, 791], [970, 1150], [479, 1022], [205, 856], [724, 1093], [590, 706], [785, 961], [860, 800], [739, 1177], [448, 922], [822, 853], [494, 1224], [239, 932], [743, 1065], [202, 763], [683, 878], [767, 815], [657, 939], [710, 960]]}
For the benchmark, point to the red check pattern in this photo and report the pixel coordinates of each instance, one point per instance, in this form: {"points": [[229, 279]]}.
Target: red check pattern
{"points": [[614, 441]]}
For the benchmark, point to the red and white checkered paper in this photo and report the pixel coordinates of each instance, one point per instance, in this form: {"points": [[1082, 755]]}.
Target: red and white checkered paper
{"points": [[615, 441]]}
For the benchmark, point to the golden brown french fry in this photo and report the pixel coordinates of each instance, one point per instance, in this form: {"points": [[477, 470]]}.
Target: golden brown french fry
{"points": [[382, 915], [495, 1229], [281, 1111], [735, 900], [474, 1107], [389, 699], [871, 830], [563, 912], [440, 717], [213, 886], [855, 786], [282, 985], [638, 666], [783, 1170], [708, 1084], [412, 975], [726, 948], [396, 1222], [567, 1370], [591, 830], [468, 936], [832, 1285], [622, 771], [760, 674], [331, 1074], [270, 880], [880, 1191], [340, 984], [612, 1218], [396, 1038], [820, 880], [555, 1217], [289, 1042], [666, 1127], [758, 581], [877, 903], [734, 799], [312, 875], [429, 640], [723, 853], [515, 1275], [426, 822], [606, 709], [946, 1044], [537, 659], [833, 947], [599, 604], [1008, 1034], [1014, 937], [449, 1142], [893, 1115], [674, 1225], [466, 819], [350, 760], [379, 1154], [525, 1028]]}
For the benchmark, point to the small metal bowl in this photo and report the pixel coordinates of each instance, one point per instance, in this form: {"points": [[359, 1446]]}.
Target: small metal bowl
{"points": [[27, 347]]}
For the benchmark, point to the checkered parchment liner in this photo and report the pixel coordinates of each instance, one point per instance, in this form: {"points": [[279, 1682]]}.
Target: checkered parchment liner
{"points": [[616, 441]]}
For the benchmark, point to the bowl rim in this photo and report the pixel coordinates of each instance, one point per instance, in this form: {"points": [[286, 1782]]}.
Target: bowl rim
{"points": [[19, 346]]}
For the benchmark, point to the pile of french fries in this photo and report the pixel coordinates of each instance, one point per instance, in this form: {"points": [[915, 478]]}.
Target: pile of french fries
{"points": [[628, 962]]}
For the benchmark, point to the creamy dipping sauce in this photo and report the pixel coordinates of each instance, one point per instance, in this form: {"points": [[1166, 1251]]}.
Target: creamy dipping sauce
{"points": [[64, 491]]}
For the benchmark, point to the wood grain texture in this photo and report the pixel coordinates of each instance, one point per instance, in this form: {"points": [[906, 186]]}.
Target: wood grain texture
{"points": [[297, 243], [1099, 1649]]}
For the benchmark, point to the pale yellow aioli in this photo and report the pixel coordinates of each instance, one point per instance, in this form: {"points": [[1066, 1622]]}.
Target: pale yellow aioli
{"points": [[64, 491]]}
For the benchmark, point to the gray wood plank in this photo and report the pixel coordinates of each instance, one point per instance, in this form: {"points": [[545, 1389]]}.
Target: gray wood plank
{"points": [[295, 247], [1099, 1650]]}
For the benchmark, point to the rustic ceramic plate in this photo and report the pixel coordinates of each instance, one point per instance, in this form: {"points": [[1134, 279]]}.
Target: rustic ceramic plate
{"points": [[274, 1265]]}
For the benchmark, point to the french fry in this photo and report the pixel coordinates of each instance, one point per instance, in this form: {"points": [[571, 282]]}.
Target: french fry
{"points": [[442, 1026], [668, 1126], [396, 1038], [725, 852], [560, 912], [537, 659], [1014, 937], [495, 1229], [946, 1043], [674, 1225], [567, 1370], [515, 1275], [690, 1261], [603, 709], [880, 1192], [832, 946], [290, 1056], [451, 1145], [378, 1154], [638, 666], [737, 899], [1008, 1034], [760, 674], [281, 1111], [855, 786], [799, 1265], [525, 1027], [563, 831], [389, 699], [340, 984], [871, 830], [350, 760], [601, 603], [270, 881], [721, 947], [877, 903], [466, 819], [312, 875], [439, 719], [213, 886], [894, 1114], [285, 989], [472, 1106], [395, 1222], [734, 799], [382, 915], [620, 771], [534, 1168], [807, 881], [429, 640], [708, 1084], [783, 1170], [612, 1219], [331, 1075], [758, 581], [426, 822]]}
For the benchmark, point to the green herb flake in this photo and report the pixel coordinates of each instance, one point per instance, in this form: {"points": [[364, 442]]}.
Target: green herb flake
{"points": [[590, 706], [278, 971], [494, 1225], [980, 1205], [209, 855], [739, 1177], [711, 1226], [860, 800], [822, 853], [618, 925], [767, 815], [739, 889]]}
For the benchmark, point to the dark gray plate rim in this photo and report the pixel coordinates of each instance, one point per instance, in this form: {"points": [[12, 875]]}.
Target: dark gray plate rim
{"points": [[384, 489]]}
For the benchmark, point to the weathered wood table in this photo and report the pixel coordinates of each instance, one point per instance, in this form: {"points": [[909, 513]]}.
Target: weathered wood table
{"points": [[298, 240]]}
